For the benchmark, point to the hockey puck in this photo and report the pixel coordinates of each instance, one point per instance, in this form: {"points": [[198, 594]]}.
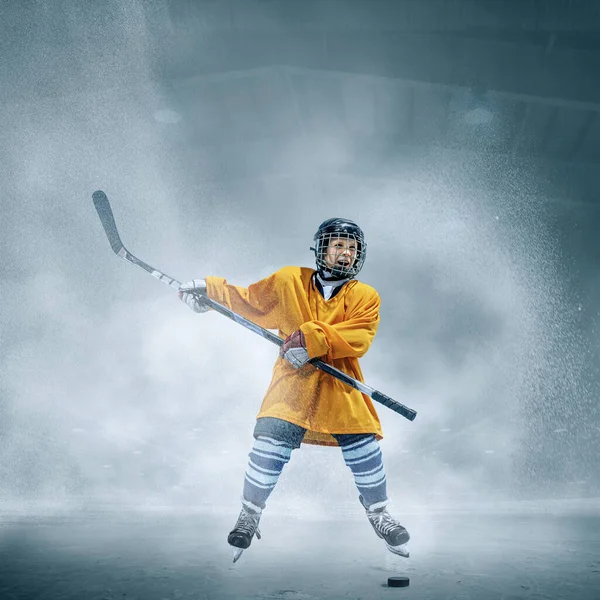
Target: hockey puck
{"points": [[398, 581]]}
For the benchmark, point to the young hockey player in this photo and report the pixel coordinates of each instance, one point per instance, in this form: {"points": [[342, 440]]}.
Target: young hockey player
{"points": [[324, 314]]}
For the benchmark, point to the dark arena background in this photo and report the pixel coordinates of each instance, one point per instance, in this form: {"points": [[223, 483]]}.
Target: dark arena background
{"points": [[462, 135]]}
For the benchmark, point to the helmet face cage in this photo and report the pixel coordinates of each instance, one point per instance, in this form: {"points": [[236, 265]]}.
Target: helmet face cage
{"points": [[348, 232]]}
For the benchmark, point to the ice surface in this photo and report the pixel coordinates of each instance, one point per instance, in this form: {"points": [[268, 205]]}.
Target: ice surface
{"points": [[155, 556]]}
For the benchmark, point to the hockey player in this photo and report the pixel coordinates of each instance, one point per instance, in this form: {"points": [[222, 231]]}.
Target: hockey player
{"points": [[324, 314]]}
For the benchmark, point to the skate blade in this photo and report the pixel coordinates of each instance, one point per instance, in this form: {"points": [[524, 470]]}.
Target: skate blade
{"points": [[401, 550], [237, 552]]}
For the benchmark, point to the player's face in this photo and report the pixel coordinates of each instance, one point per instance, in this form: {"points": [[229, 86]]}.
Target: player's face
{"points": [[341, 252]]}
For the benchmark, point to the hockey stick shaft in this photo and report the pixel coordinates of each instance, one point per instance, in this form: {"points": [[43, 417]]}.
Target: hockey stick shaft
{"points": [[107, 219]]}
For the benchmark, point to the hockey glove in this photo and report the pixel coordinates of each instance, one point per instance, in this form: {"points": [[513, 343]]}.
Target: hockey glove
{"points": [[294, 350], [191, 293]]}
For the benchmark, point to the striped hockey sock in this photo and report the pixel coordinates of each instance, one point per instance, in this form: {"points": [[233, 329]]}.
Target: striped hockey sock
{"points": [[366, 463], [267, 459]]}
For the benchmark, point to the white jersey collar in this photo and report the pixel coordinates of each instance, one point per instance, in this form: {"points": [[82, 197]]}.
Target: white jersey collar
{"points": [[329, 285]]}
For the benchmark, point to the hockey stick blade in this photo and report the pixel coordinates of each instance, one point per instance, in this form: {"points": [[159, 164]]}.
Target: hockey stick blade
{"points": [[110, 228], [107, 219]]}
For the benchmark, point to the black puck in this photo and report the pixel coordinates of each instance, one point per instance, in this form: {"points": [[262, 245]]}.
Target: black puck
{"points": [[398, 581]]}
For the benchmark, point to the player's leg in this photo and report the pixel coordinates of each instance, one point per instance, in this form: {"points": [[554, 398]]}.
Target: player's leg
{"points": [[273, 444], [362, 455]]}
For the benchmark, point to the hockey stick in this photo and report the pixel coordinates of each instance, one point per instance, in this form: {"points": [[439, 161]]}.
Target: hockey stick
{"points": [[108, 222]]}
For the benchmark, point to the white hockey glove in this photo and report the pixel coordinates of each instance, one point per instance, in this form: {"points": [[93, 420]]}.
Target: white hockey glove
{"points": [[191, 293], [294, 350]]}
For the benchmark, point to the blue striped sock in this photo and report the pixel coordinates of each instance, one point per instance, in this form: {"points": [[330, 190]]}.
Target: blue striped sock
{"points": [[267, 459], [366, 463]]}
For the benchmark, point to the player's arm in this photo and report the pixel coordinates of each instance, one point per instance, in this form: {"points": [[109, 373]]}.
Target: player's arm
{"points": [[350, 338], [257, 302]]}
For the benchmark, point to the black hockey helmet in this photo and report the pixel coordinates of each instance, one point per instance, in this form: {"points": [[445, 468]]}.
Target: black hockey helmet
{"points": [[339, 228]]}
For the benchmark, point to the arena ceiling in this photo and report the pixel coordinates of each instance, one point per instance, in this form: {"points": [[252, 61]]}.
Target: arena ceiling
{"points": [[518, 77]]}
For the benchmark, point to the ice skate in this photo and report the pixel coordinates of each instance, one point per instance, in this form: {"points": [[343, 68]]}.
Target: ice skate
{"points": [[388, 529], [244, 530]]}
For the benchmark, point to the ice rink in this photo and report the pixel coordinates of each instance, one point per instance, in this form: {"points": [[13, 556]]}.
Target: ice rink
{"points": [[543, 552]]}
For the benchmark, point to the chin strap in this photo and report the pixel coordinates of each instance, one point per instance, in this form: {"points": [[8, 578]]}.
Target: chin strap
{"points": [[329, 277]]}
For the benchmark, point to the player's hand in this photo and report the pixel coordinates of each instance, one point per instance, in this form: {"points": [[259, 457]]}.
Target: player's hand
{"points": [[294, 349], [192, 293]]}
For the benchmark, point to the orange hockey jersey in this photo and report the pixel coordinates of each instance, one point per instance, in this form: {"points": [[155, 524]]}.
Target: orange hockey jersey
{"points": [[338, 330]]}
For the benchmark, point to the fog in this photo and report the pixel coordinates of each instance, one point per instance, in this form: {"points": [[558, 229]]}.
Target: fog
{"points": [[115, 393]]}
